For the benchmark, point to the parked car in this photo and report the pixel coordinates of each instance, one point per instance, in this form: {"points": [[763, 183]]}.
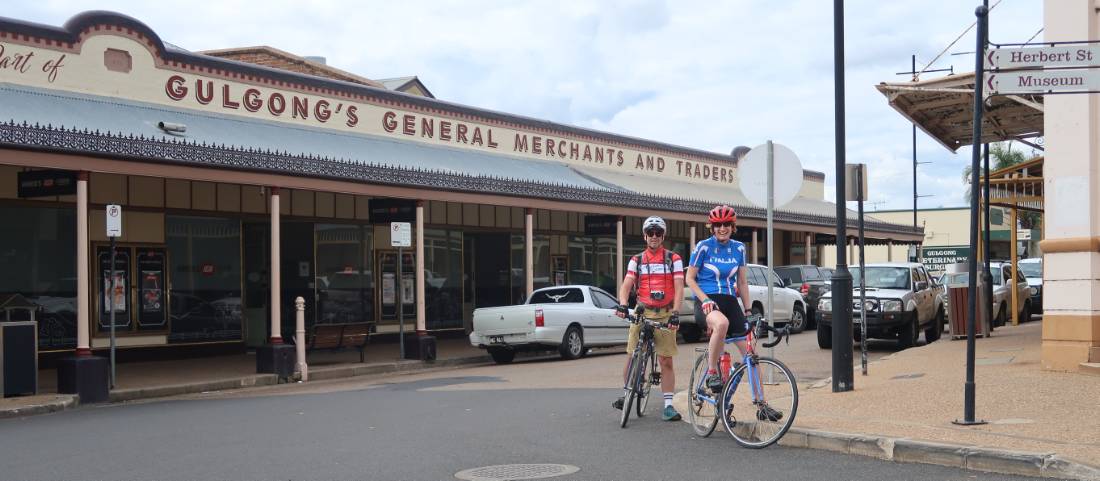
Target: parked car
{"points": [[1002, 300], [1032, 269], [789, 306], [828, 273], [569, 319], [900, 301], [808, 280]]}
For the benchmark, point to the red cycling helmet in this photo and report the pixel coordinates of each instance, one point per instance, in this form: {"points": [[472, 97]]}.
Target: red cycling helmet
{"points": [[722, 213]]}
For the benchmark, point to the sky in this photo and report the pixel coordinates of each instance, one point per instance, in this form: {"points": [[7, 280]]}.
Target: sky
{"points": [[709, 75]]}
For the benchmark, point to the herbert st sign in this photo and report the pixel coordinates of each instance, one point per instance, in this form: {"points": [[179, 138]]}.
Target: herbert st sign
{"points": [[1049, 57]]}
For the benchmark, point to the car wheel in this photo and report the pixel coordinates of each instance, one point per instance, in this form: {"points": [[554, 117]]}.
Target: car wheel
{"points": [[502, 355], [572, 345], [691, 332], [824, 336], [933, 333], [798, 320], [1001, 316], [1026, 316], [907, 335]]}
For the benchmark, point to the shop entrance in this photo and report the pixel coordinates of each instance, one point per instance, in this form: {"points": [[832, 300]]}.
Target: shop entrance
{"points": [[297, 277], [489, 266]]}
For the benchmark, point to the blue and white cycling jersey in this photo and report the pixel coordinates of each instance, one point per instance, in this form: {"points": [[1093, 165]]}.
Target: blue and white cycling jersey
{"points": [[718, 264]]}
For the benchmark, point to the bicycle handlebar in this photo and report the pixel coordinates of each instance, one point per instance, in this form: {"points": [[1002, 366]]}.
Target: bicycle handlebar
{"points": [[762, 328], [637, 317]]}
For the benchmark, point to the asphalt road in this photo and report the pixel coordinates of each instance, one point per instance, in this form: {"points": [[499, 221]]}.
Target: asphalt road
{"points": [[423, 426]]}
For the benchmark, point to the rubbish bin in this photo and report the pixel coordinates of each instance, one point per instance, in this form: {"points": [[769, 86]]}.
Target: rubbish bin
{"points": [[19, 358], [959, 302]]}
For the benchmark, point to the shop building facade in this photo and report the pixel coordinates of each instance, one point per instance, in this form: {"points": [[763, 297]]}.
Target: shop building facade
{"points": [[245, 186]]}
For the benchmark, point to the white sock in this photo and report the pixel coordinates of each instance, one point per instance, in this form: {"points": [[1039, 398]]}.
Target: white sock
{"points": [[668, 399]]}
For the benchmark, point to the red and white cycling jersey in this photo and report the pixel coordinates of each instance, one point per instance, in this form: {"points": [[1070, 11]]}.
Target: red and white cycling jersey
{"points": [[653, 274]]}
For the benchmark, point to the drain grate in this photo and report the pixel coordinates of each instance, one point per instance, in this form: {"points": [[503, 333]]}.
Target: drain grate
{"points": [[507, 472]]}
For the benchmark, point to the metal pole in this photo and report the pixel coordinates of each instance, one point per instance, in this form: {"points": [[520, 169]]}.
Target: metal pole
{"points": [[111, 308], [842, 280], [914, 163], [862, 277], [975, 166], [987, 275], [400, 304], [771, 232]]}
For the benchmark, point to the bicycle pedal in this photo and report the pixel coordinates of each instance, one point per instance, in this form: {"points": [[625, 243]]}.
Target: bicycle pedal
{"points": [[656, 378]]}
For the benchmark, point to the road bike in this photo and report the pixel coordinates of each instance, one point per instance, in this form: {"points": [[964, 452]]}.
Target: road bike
{"points": [[639, 379], [759, 397]]}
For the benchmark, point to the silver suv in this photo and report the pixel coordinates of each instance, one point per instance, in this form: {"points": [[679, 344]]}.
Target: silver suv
{"points": [[901, 301]]}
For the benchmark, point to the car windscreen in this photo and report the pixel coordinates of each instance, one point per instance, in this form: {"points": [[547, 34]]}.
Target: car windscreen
{"points": [[1031, 269], [792, 273], [955, 279], [557, 296], [883, 277]]}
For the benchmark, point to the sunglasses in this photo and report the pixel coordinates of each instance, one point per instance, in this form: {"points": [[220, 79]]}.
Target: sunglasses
{"points": [[721, 224], [655, 233]]}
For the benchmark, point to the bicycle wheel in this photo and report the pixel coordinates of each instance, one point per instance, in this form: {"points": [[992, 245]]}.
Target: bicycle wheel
{"points": [[701, 401], [645, 381], [759, 405], [631, 385]]}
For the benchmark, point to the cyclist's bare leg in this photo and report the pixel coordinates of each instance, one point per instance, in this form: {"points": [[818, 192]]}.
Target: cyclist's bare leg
{"points": [[668, 374], [717, 323]]}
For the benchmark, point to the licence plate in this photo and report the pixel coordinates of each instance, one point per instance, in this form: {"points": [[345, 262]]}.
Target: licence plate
{"points": [[496, 339]]}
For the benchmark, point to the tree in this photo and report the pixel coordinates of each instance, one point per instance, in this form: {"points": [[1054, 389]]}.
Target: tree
{"points": [[1003, 155]]}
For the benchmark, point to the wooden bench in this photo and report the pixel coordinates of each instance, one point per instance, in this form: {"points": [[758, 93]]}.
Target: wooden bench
{"points": [[354, 335]]}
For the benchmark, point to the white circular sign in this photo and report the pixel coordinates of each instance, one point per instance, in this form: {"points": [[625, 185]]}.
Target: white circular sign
{"points": [[787, 175]]}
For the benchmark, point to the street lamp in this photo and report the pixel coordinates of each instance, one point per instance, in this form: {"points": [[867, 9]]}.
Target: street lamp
{"points": [[843, 371]]}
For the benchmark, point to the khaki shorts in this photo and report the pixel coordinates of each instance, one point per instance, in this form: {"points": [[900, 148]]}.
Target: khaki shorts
{"points": [[664, 340]]}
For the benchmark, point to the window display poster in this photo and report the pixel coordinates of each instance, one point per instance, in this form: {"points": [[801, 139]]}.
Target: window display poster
{"points": [[152, 312], [117, 296], [389, 289], [408, 288]]}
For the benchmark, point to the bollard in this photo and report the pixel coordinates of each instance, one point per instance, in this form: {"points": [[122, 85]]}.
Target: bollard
{"points": [[300, 337]]}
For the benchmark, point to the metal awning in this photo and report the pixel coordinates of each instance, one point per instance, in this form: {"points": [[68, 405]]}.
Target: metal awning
{"points": [[86, 124], [944, 109]]}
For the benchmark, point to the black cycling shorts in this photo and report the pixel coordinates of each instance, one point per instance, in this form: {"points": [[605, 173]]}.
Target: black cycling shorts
{"points": [[729, 306]]}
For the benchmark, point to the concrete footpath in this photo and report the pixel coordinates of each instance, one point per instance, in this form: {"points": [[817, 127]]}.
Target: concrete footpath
{"points": [[1039, 423]]}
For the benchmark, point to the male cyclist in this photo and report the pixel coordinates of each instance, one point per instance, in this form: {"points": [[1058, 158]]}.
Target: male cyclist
{"points": [[658, 275], [717, 276]]}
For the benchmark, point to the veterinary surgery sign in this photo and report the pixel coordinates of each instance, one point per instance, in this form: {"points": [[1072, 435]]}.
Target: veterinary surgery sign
{"points": [[937, 259]]}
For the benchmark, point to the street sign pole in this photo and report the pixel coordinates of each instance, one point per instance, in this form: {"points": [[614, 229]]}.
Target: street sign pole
{"points": [[972, 290], [400, 237], [114, 230], [771, 245], [111, 302], [860, 177], [400, 303]]}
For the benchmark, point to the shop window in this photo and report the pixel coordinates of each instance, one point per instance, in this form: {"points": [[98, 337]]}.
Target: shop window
{"points": [[443, 278], [38, 260], [345, 278], [205, 296], [582, 261], [541, 251]]}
